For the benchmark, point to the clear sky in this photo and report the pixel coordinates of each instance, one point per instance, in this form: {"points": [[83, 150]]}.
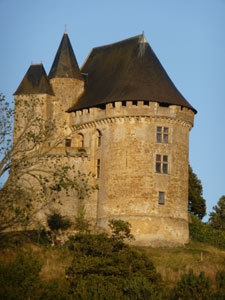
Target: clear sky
{"points": [[188, 37]]}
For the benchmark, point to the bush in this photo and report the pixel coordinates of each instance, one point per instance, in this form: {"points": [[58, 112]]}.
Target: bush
{"points": [[56, 222], [202, 232], [106, 268], [220, 285], [121, 230], [81, 224], [56, 289], [193, 287], [19, 278]]}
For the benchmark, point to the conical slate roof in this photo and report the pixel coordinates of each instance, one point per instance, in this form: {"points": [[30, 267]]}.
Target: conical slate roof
{"points": [[127, 70], [65, 63], [35, 81]]}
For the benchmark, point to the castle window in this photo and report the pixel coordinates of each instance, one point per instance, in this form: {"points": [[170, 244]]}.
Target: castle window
{"points": [[162, 134], [98, 168], [161, 164], [80, 140], [99, 138], [161, 198], [68, 142]]}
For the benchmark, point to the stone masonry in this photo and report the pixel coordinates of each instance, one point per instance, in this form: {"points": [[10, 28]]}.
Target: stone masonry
{"points": [[137, 143]]}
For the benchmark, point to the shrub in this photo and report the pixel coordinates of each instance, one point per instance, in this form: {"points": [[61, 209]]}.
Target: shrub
{"points": [[193, 287], [121, 230], [220, 285], [106, 268], [56, 289], [56, 222], [205, 233], [20, 277], [81, 224]]}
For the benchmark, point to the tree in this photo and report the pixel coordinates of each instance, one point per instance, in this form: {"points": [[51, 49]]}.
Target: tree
{"points": [[193, 287], [105, 267], [217, 218], [121, 230], [20, 278], [196, 203], [36, 177]]}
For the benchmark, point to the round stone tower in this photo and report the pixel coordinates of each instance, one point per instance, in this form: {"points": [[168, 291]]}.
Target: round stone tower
{"points": [[136, 126]]}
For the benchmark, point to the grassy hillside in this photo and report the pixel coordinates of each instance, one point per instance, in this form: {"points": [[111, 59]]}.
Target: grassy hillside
{"points": [[173, 262], [170, 262]]}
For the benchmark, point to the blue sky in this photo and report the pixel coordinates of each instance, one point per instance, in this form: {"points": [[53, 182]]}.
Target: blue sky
{"points": [[187, 37]]}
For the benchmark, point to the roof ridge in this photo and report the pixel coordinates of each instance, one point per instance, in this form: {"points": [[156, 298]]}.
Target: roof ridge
{"points": [[125, 40]]}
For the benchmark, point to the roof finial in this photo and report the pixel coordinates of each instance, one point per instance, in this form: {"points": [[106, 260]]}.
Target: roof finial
{"points": [[65, 31], [142, 44], [143, 33]]}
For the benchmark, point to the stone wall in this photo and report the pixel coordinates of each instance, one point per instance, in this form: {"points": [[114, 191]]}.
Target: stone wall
{"points": [[119, 144], [129, 185]]}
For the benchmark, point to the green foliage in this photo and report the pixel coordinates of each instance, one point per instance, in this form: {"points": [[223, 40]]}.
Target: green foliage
{"points": [[20, 238], [105, 268], [81, 224], [217, 218], [56, 289], [34, 177], [205, 233], [12, 209], [121, 230], [56, 221], [196, 203], [220, 285], [20, 277], [193, 287]]}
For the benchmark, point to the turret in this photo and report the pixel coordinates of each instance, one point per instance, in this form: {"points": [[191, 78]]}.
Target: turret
{"points": [[65, 76], [34, 91]]}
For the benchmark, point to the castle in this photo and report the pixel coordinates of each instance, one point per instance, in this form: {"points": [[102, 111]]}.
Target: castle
{"points": [[133, 127]]}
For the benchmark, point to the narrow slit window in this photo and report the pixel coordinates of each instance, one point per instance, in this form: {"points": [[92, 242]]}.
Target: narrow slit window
{"points": [[161, 198], [99, 138], [80, 140], [98, 168]]}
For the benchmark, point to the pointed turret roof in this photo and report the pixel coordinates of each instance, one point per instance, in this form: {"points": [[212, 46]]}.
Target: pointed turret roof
{"points": [[127, 70], [35, 81], [65, 64]]}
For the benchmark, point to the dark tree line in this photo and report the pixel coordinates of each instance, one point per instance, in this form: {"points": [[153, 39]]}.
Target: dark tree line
{"points": [[196, 202]]}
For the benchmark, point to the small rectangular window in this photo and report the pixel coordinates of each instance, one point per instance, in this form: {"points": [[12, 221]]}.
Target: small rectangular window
{"points": [[161, 198], [162, 134], [161, 165], [98, 168], [68, 142]]}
